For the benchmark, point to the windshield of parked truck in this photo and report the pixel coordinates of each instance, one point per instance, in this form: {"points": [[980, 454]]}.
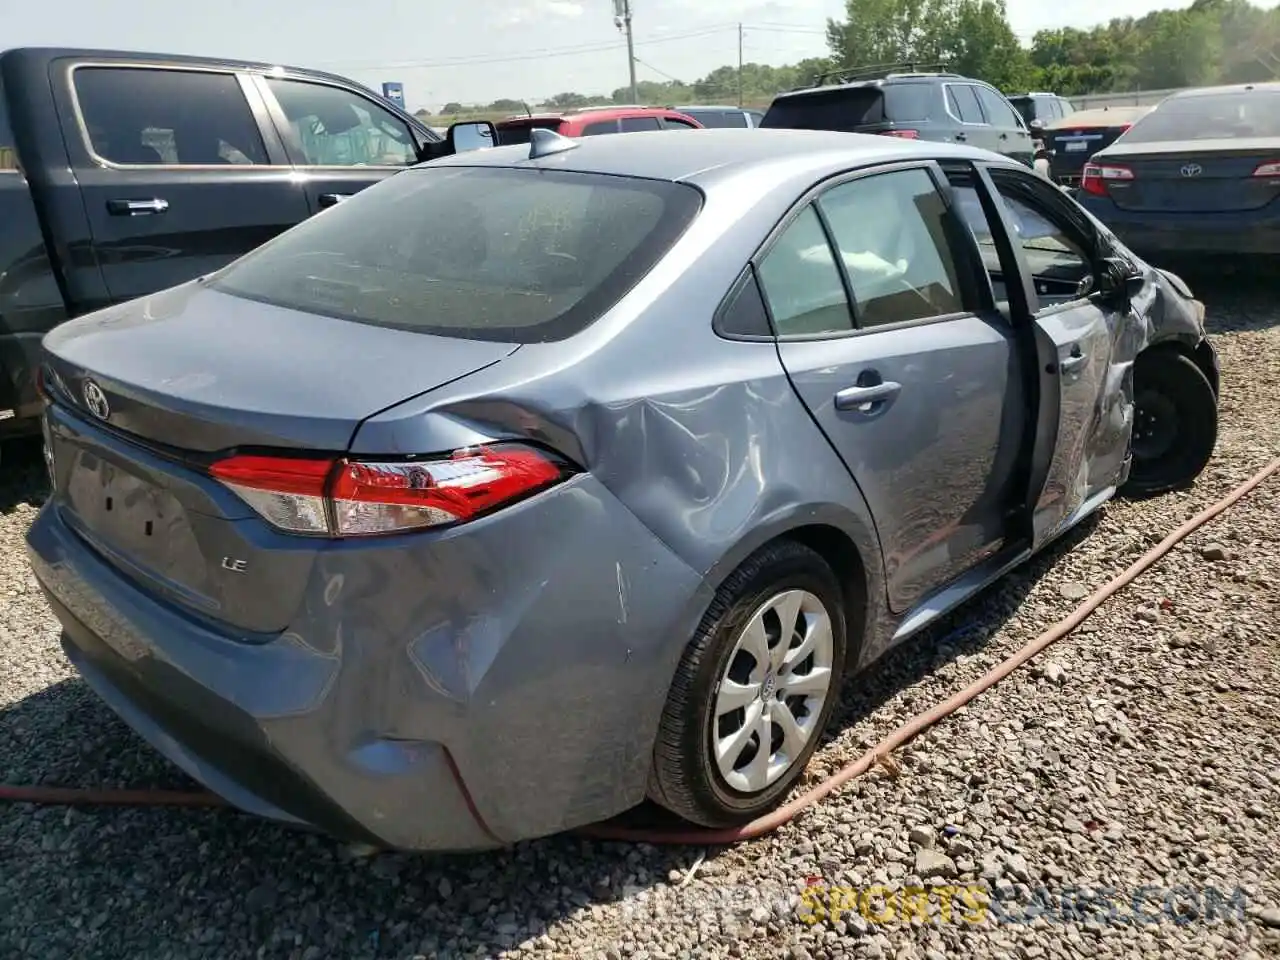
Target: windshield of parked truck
{"points": [[518, 255]]}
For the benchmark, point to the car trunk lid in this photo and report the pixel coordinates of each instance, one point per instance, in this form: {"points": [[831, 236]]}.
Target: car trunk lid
{"points": [[147, 395], [200, 371], [1213, 176]]}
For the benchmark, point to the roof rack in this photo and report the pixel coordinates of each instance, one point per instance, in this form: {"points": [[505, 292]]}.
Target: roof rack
{"points": [[881, 71], [606, 106]]}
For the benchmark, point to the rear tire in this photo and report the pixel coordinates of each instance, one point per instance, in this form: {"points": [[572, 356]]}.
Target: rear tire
{"points": [[724, 697], [1175, 424]]}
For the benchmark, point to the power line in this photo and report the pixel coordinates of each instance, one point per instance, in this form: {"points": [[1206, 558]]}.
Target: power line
{"points": [[661, 73], [528, 55]]}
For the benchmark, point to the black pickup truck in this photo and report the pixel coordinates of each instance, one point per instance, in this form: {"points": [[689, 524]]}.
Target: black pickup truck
{"points": [[125, 173]]}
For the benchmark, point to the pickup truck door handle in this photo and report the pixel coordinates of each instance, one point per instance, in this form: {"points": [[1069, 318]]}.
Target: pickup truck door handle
{"points": [[136, 208], [333, 199], [865, 399]]}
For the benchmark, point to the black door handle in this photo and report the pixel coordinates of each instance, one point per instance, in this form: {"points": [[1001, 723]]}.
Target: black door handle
{"points": [[1004, 136], [961, 137], [333, 199], [137, 208]]}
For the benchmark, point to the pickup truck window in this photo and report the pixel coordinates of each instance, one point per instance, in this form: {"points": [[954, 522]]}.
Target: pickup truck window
{"points": [[142, 115], [337, 128]]}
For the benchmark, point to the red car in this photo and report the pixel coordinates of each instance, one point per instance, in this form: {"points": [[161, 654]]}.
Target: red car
{"points": [[593, 121]]}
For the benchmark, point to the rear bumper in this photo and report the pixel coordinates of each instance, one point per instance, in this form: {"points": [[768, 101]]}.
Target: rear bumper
{"points": [[417, 702], [1253, 232]]}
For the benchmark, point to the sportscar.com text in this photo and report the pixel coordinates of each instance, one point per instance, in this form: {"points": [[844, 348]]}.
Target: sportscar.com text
{"points": [[968, 904]]}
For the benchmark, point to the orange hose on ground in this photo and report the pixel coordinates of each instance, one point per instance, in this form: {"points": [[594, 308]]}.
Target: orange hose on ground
{"points": [[772, 821]]}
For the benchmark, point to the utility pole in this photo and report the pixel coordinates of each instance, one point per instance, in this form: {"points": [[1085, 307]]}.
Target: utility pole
{"points": [[739, 66], [622, 19]]}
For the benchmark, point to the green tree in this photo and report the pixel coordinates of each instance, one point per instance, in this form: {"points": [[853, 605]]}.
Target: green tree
{"points": [[504, 105], [881, 32], [1180, 48], [982, 44], [452, 107]]}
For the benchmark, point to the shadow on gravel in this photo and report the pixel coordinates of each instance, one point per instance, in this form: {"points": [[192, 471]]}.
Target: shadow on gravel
{"points": [[22, 473]]}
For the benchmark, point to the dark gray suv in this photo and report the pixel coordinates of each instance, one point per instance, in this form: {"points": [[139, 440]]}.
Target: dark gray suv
{"points": [[946, 107]]}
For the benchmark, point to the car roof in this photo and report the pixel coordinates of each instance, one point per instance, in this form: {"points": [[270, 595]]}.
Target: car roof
{"points": [[1100, 117], [593, 113], [708, 154], [893, 78], [1265, 87], [711, 106], [48, 54]]}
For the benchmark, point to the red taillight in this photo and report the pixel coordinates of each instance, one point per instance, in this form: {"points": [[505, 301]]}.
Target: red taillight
{"points": [[353, 498], [1269, 169], [1097, 175], [902, 134]]}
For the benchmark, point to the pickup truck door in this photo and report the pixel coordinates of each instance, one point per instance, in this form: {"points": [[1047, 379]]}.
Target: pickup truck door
{"points": [[179, 169], [338, 139], [1084, 421]]}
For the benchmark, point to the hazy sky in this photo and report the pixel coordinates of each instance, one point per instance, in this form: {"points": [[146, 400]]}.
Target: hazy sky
{"points": [[478, 50]]}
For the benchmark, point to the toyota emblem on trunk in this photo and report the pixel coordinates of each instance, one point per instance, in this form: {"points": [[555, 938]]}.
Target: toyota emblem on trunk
{"points": [[96, 400], [1192, 170]]}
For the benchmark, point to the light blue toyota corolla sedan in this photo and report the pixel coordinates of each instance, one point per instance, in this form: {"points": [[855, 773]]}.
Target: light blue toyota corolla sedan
{"points": [[536, 481]]}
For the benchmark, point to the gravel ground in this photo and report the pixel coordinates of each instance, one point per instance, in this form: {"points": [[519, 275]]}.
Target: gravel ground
{"points": [[1137, 755]]}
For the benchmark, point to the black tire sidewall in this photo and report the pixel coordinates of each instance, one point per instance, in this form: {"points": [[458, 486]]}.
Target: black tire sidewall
{"points": [[791, 571], [1178, 379]]}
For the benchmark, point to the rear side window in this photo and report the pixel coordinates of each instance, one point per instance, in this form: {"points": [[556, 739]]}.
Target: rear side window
{"points": [[189, 117], [1210, 117], [600, 127], [905, 102], [8, 153], [802, 283], [890, 232], [963, 100], [997, 109], [481, 253]]}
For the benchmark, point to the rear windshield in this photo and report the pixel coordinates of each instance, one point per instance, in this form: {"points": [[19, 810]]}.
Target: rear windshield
{"points": [[483, 253], [848, 109], [1210, 117], [520, 131]]}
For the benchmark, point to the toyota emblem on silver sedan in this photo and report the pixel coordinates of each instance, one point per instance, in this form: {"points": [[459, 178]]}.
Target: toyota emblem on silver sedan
{"points": [[96, 400], [1192, 170]]}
